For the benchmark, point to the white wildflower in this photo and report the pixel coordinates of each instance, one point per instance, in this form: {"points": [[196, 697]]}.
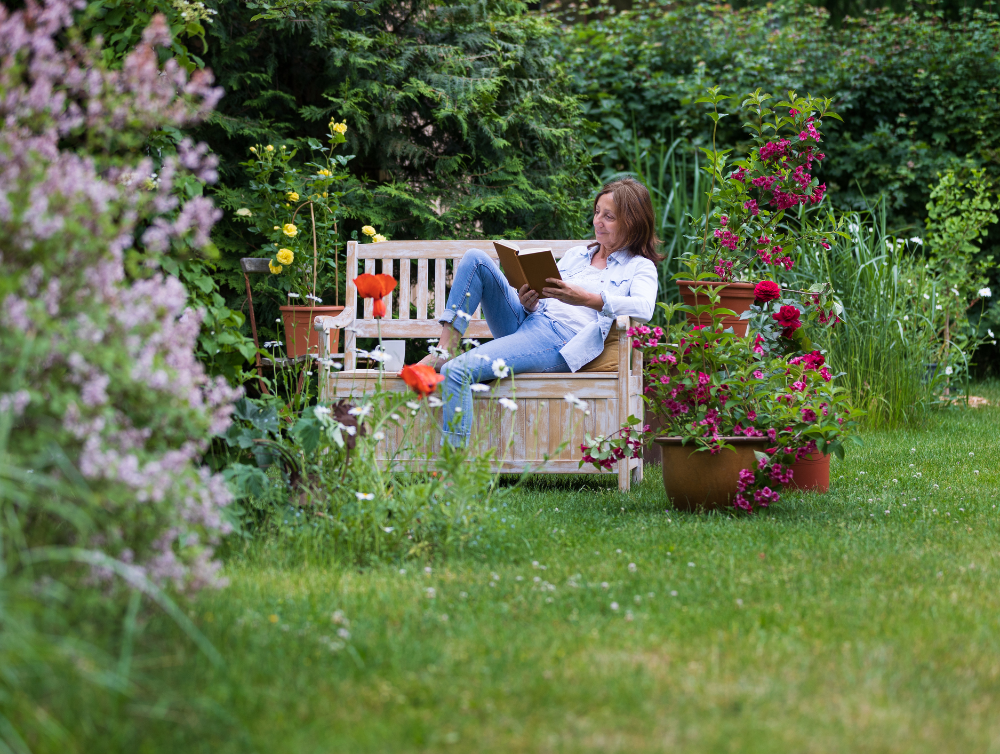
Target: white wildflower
{"points": [[321, 412], [364, 495], [379, 436], [576, 402], [985, 292], [464, 315], [471, 342], [500, 368], [412, 406], [508, 404], [361, 411], [948, 370], [917, 240], [479, 388], [434, 401]]}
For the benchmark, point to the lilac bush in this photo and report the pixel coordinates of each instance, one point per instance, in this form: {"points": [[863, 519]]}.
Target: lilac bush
{"points": [[99, 366]]}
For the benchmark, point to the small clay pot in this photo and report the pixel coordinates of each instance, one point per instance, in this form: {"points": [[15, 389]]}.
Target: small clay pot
{"points": [[811, 474], [699, 480], [735, 296], [301, 337]]}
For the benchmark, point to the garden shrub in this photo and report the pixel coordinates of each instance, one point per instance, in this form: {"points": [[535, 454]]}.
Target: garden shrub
{"points": [[99, 368], [917, 93]]}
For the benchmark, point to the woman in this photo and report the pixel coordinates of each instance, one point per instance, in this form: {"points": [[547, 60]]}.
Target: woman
{"points": [[613, 276]]}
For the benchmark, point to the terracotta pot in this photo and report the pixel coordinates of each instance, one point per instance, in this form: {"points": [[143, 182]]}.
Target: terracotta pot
{"points": [[701, 481], [300, 337], [812, 473], [734, 296]]}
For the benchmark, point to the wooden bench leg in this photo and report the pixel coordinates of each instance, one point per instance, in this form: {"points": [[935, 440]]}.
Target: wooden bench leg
{"points": [[624, 475]]}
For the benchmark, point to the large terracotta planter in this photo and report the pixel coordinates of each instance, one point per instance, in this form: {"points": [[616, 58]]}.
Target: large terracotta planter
{"points": [[699, 480], [812, 473], [300, 337], [735, 296]]}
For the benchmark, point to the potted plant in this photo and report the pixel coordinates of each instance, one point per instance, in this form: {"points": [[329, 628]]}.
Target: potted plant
{"points": [[731, 417], [746, 225], [298, 211]]}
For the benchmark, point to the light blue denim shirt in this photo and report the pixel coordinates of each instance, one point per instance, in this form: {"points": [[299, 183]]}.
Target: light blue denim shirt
{"points": [[629, 289]]}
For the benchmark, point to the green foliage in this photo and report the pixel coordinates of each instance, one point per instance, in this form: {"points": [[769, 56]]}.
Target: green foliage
{"points": [[458, 113], [917, 93], [959, 214]]}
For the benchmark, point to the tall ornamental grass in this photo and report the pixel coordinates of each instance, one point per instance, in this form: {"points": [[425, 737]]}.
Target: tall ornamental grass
{"points": [[888, 344]]}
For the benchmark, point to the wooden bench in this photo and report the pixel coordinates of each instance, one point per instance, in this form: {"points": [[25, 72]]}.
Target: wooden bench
{"points": [[543, 419]]}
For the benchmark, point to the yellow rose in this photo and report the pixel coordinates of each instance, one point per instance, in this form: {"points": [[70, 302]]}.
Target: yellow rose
{"points": [[285, 256], [368, 230], [292, 196], [253, 149], [290, 230], [325, 194], [379, 238], [277, 227], [325, 173], [244, 212], [269, 148], [340, 128], [275, 268]]}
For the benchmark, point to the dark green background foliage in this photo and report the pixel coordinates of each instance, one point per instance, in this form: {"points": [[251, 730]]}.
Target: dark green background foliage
{"points": [[917, 94], [459, 117]]}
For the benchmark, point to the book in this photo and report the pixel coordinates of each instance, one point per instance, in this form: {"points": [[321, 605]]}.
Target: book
{"points": [[531, 266]]}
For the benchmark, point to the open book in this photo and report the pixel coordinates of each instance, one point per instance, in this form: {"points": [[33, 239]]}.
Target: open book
{"points": [[531, 266]]}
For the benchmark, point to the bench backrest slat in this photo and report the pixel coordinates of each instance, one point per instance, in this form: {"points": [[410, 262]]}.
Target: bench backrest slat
{"points": [[413, 316]]}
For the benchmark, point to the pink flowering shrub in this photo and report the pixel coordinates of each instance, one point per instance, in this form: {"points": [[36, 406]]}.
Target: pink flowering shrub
{"points": [[746, 231], [708, 385], [98, 370]]}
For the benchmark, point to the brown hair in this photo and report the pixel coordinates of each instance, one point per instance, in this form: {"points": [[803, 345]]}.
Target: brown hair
{"points": [[635, 211]]}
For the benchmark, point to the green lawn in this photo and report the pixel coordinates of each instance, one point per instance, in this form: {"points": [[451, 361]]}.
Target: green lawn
{"points": [[863, 620]]}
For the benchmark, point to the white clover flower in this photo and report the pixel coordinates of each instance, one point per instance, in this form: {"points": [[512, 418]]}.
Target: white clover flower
{"points": [[632, 567], [985, 292], [479, 388], [430, 592], [500, 368], [364, 495], [508, 404]]}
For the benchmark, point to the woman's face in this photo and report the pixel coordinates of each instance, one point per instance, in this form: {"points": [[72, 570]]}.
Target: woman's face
{"points": [[606, 227]]}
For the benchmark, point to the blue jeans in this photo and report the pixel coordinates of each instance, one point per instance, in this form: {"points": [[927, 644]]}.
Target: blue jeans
{"points": [[526, 342]]}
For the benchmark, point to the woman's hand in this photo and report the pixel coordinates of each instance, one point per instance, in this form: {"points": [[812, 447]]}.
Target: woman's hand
{"points": [[573, 295], [529, 299]]}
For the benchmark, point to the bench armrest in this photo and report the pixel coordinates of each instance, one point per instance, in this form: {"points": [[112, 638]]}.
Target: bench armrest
{"points": [[323, 322]]}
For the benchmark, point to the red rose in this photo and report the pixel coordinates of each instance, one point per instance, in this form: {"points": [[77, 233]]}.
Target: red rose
{"points": [[788, 318], [765, 291]]}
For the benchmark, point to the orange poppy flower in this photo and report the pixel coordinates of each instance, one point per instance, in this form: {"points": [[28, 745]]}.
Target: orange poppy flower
{"points": [[421, 378], [376, 287]]}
